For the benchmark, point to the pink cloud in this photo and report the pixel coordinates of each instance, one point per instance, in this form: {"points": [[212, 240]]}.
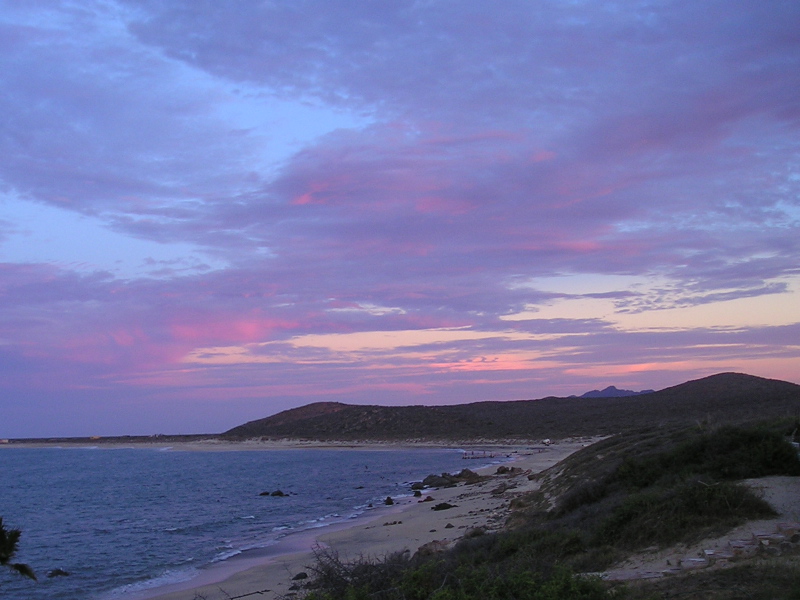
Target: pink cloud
{"points": [[215, 330], [493, 363], [449, 150]]}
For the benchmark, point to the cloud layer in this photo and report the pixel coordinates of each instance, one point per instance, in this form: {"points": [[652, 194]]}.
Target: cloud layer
{"points": [[414, 202]]}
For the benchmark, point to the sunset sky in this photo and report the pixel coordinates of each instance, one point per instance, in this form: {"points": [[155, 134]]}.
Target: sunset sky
{"points": [[214, 211]]}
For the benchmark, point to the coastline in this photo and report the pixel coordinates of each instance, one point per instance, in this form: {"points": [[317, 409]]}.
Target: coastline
{"points": [[215, 445], [408, 525]]}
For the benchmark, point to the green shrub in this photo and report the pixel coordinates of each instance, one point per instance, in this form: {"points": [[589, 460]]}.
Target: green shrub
{"points": [[680, 487], [520, 584], [581, 495], [761, 580], [729, 453], [689, 510], [493, 567], [530, 547]]}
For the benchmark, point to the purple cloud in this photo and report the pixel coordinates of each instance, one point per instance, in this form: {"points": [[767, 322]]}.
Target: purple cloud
{"points": [[340, 173]]}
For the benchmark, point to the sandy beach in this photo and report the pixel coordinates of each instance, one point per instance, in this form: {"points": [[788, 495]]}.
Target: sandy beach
{"points": [[408, 525]]}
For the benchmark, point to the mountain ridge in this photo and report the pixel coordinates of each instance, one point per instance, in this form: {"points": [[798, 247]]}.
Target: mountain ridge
{"points": [[613, 392], [720, 398]]}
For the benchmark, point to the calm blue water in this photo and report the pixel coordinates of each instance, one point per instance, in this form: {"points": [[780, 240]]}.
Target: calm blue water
{"points": [[124, 520]]}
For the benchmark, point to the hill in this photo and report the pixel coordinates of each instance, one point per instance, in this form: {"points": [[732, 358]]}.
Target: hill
{"points": [[613, 392], [722, 398]]}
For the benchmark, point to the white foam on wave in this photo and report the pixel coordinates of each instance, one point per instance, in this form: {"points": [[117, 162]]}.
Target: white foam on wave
{"points": [[170, 577], [226, 555], [260, 545]]}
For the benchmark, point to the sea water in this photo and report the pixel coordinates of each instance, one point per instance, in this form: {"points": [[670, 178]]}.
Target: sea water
{"points": [[121, 521]]}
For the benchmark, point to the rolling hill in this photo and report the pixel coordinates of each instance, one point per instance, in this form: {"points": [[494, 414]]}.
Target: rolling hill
{"points": [[722, 398]]}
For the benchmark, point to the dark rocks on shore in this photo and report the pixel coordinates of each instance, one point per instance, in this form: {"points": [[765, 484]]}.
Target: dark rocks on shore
{"points": [[443, 506], [417, 485], [502, 489], [300, 575], [469, 477], [504, 470], [448, 480], [276, 493], [388, 501], [417, 494], [440, 481]]}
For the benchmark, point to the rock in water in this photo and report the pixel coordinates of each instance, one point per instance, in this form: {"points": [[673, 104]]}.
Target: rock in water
{"points": [[58, 573]]}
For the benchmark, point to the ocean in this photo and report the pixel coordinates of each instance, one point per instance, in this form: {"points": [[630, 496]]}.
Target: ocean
{"points": [[124, 521]]}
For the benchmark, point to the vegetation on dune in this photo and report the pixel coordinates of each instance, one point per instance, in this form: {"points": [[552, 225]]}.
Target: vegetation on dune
{"points": [[399, 578], [774, 580], [681, 513], [726, 454], [641, 489]]}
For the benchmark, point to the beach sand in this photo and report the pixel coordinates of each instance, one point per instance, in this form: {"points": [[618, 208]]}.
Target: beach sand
{"points": [[408, 525]]}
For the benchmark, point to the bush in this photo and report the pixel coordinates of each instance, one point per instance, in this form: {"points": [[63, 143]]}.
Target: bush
{"points": [[729, 453], [692, 509], [680, 487], [587, 493], [762, 580], [515, 565], [523, 584], [334, 578], [528, 547]]}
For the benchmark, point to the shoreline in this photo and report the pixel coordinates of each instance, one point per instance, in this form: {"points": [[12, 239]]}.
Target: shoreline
{"points": [[216, 573], [408, 525], [211, 445]]}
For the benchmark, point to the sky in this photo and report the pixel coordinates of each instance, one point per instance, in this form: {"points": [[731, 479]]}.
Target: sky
{"points": [[211, 212]]}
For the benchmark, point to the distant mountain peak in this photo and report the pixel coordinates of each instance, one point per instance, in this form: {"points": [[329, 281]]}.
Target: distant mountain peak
{"points": [[613, 392]]}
